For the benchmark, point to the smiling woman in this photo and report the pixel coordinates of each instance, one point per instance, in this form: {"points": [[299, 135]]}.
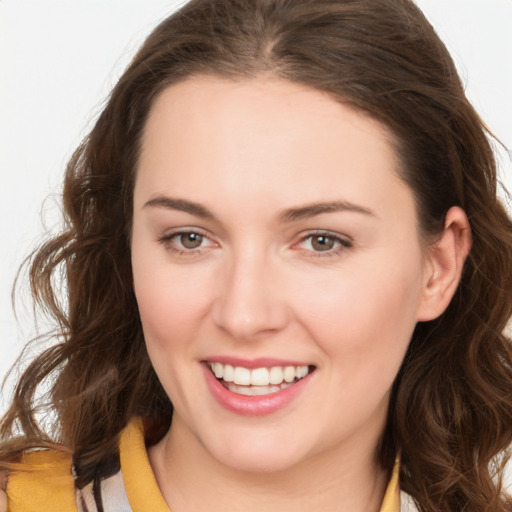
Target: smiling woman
{"points": [[288, 275], [273, 272]]}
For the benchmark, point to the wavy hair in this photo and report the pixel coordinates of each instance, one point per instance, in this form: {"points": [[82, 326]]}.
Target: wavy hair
{"points": [[450, 414]]}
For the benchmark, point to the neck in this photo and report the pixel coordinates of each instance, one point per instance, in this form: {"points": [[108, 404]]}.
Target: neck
{"points": [[343, 480]]}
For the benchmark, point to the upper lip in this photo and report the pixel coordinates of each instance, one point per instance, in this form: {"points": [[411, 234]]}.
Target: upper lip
{"points": [[260, 362]]}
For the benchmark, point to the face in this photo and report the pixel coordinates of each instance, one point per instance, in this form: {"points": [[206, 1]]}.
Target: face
{"points": [[278, 269]]}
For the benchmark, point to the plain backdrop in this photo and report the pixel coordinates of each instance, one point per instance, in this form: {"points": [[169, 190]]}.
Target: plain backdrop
{"points": [[60, 58]]}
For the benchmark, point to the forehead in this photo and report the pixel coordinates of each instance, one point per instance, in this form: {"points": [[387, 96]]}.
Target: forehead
{"points": [[262, 138]]}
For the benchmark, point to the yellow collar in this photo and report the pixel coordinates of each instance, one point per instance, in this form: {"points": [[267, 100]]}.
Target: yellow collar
{"points": [[144, 494]]}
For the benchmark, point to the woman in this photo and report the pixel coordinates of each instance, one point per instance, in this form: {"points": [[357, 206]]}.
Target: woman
{"points": [[288, 278]]}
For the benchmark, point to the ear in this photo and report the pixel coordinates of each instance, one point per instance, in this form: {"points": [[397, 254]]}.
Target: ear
{"points": [[443, 264]]}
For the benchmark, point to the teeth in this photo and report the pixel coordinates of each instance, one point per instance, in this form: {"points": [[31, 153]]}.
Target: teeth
{"points": [[276, 375], [260, 377], [256, 390], [228, 373], [242, 376], [273, 377], [289, 374], [218, 370], [302, 371]]}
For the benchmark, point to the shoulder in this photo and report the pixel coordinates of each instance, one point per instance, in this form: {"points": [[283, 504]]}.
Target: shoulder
{"points": [[44, 481]]}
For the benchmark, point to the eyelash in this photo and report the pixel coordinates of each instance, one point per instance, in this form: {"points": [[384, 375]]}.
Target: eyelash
{"points": [[341, 243], [167, 242]]}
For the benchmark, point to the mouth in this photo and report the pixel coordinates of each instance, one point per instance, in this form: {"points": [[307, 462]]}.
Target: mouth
{"points": [[258, 381]]}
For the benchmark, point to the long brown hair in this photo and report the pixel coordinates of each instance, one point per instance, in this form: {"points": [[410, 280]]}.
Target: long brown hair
{"points": [[451, 407]]}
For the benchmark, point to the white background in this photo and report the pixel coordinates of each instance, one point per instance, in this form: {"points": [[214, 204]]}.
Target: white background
{"points": [[60, 58]]}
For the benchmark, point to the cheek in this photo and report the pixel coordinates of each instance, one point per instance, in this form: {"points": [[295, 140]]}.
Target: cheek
{"points": [[168, 314], [368, 311], [171, 307], [171, 301]]}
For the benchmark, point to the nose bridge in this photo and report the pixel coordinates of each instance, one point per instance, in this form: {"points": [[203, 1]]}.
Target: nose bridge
{"points": [[249, 301]]}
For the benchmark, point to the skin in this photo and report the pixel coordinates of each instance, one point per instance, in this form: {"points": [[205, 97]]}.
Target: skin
{"points": [[257, 286]]}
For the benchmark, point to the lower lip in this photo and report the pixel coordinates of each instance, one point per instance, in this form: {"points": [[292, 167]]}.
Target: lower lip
{"points": [[253, 405]]}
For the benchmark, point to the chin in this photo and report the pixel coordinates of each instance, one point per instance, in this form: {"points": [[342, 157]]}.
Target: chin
{"points": [[262, 453], [263, 463]]}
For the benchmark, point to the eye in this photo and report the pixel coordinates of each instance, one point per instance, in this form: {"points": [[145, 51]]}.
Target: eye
{"points": [[185, 242], [190, 240], [324, 242]]}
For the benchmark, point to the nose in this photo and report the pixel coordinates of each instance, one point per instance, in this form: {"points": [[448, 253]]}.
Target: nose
{"points": [[250, 301]]}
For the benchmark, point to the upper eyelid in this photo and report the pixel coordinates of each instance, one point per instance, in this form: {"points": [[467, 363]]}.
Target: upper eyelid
{"points": [[328, 233], [168, 235]]}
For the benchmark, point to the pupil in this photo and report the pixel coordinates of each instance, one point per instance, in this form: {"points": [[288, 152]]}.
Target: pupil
{"points": [[322, 243], [191, 240]]}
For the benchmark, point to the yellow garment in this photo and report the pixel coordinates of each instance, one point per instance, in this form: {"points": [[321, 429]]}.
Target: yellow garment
{"points": [[47, 485], [143, 492], [391, 502]]}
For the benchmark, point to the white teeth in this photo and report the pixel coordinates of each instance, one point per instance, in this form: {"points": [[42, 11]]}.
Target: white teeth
{"points": [[242, 376], [302, 371], [289, 374], [228, 373], [260, 377], [218, 369], [274, 376], [256, 390]]}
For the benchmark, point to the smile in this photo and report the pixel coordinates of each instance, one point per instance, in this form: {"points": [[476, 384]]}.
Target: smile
{"points": [[257, 387], [258, 381]]}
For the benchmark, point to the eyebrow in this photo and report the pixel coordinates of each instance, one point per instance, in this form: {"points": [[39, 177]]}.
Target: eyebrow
{"points": [[311, 210], [181, 205], [286, 216]]}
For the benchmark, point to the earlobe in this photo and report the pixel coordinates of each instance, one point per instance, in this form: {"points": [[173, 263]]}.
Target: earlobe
{"points": [[444, 264]]}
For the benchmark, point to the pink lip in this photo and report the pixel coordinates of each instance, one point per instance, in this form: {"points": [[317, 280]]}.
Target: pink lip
{"points": [[253, 405], [254, 363]]}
